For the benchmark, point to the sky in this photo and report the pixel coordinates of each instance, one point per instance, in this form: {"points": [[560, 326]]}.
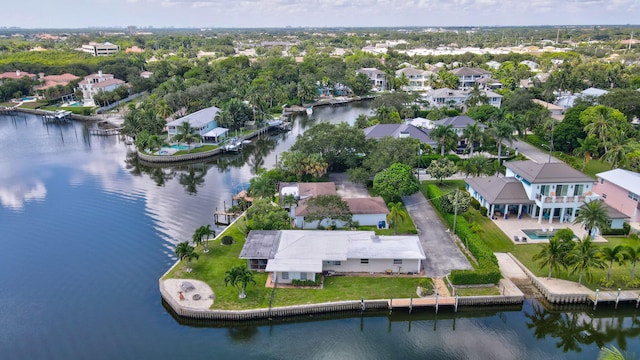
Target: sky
{"points": [[315, 13]]}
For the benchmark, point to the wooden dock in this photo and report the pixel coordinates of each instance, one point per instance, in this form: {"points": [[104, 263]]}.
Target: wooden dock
{"points": [[105, 132], [615, 297], [57, 116], [6, 110]]}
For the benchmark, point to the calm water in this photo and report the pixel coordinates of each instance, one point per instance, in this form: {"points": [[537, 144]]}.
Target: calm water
{"points": [[86, 231]]}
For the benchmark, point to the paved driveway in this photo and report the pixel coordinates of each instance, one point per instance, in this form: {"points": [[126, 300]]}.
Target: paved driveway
{"points": [[532, 152], [443, 255]]}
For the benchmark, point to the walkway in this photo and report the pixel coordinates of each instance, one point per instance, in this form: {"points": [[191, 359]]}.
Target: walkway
{"points": [[443, 255]]}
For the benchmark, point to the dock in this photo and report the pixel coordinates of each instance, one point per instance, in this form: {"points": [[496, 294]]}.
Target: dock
{"points": [[105, 132], [233, 145], [7, 110], [57, 116]]}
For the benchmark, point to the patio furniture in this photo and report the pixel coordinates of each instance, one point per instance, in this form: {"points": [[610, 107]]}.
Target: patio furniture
{"points": [[516, 238], [524, 239]]}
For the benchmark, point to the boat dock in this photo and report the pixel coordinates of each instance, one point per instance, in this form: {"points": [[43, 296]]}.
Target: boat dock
{"points": [[105, 132], [233, 145], [57, 116], [6, 110]]}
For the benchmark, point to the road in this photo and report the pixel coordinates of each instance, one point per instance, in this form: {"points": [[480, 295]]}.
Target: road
{"points": [[532, 152], [443, 255]]}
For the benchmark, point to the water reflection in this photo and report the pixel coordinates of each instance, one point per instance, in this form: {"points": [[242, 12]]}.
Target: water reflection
{"points": [[573, 329]]}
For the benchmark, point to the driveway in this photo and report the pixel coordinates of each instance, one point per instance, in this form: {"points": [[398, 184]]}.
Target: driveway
{"points": [[532, 152], [443, 255]]}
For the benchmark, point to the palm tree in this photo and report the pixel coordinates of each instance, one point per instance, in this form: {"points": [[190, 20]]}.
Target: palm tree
{"points": [[472, 133], [478, 165], [197, 237], [261, 187], [163, 110], [588, 147], [593, 215], [502, 131], [240, 277], [633, 255], [187, 134], [476, 97], [583, 258], [396, 215], [401, 81], [613, 254], [552, 254], [186, 251], [611, 353], [445, 136], [208, 232]]}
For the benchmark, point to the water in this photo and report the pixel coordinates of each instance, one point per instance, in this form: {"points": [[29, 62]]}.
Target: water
{"points": [[86, 231]]}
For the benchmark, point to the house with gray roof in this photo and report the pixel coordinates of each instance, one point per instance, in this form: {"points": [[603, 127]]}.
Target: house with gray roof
{"points": [[202, 122], [469, 76], [418, 79], [302, 254], [397, 131], [544, 191], [457, 98], [377, 78]]}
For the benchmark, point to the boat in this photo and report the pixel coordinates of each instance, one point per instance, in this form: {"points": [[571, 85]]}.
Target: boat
{"points": [[309, 110], [234, 144]]}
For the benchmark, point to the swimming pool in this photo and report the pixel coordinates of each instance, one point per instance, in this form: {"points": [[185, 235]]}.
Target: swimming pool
{"points": [[179, 147], [28, 98], [540, 234]]}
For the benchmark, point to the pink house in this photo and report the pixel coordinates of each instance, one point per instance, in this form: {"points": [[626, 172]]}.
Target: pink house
{"points": [[619, 189]]}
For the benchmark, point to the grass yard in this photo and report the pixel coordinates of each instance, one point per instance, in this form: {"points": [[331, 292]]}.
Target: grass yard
{"points": [[200, 149], [596, 166], [524, 253], [490, 233], [211, 267], [478, 291]]}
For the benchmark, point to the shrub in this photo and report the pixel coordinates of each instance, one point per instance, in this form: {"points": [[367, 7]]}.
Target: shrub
{"points": [[624, 231], [296, 282], [475, 204], [635, 283], [227, 240], [483, 211], [606, 283]]}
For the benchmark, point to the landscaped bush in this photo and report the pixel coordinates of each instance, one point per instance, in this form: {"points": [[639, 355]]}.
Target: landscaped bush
{"points": [[487, 270], [425, 160], [624, 231], [483, 211], [297, 282], [475, 204], [227, 240]]}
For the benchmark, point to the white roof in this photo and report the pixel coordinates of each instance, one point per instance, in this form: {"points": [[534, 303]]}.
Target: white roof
{"points": [[625, 179], [593, 92], [217, 132], [198, 118], [305, 250]]}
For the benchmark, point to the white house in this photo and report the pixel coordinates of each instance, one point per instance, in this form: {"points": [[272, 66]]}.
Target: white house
{"points": [[543, 191], [302, 254], [377, 77], [202, 121], [418, 79], [495, 65], [532, 65], [457, 98], [469, 76], [94, 83]]}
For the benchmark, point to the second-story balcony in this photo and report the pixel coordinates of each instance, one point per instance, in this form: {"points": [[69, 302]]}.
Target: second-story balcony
{"points": [[543, 199]]}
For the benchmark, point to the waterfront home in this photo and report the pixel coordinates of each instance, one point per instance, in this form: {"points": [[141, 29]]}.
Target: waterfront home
{"points": [[371, 211], [397, 131], [299, 191], [100, 49], [51, 81], [302, 254], [544, 191], [453, 98], [202, 122], [95, 83], [377, 78], [620, 189]]}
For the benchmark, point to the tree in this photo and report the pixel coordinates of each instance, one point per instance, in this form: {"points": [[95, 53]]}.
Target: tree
{"points": [[447, 80], [612, 254], [472, 133], [262, 187], [632, 253], [593, 215], [187, 134], [445, 136], [307, 90], [553, 255], [395, 181], [603, 122], [208, 232], [389, 150], [360, 84], [441, 168], [583, 258], [502, 131], [476, 97], [265, 215], [186, 251], [478, 165], [401, 82], [462, 198], [341, 146], [240, 277], [396, 215], [197, 236], [323, 207]]}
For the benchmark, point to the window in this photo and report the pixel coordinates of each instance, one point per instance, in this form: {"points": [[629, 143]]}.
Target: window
{"points": [[544, 190], [397, 261], [364, 261], [303, 276], [285, 276], [561, 190], [601, 181], [632, 196], [578, 190], [604, 196]]}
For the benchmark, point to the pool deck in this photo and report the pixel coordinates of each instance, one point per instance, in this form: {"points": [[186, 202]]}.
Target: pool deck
{"points": [[514, 226]]}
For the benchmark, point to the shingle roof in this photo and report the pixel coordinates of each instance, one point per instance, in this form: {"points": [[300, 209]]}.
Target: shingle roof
{"points": [[380, 131], [547, 172], [460, 121], [625, 179], [500, 190], [467, 71], [198, 118], [370, 205]]}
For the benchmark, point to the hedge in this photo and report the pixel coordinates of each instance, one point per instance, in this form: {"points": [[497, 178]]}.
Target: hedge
{"points": [[487, 270], [624, 231]]}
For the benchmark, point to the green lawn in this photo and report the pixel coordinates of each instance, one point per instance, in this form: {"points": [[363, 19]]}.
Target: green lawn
{"points": [[406, 226], [596, 166], [200, 149], [491, 234], [524, 253], [478, 291], [210, 268]]}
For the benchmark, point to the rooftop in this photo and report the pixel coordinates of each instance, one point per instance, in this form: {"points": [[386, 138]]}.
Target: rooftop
{"points": [[198, 118], [380, 131], [500, 190], [625, 179], [547, 172], [460, 121]]}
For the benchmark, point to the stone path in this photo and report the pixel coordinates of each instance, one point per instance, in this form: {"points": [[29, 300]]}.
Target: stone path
{"points": [[441, 287]]}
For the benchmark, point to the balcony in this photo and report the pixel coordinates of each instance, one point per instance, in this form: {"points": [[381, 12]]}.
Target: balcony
{"points": [[560, 199]]}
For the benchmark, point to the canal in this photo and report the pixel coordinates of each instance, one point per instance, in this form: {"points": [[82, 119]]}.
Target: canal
{"points": [[86, 231]]}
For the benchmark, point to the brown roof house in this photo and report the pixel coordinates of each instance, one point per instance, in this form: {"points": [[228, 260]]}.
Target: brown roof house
{"points": [[368, 211]]}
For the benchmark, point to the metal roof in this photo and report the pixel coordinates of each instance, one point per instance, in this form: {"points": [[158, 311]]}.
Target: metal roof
{"points": [[625, 179], [198, 118]]}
